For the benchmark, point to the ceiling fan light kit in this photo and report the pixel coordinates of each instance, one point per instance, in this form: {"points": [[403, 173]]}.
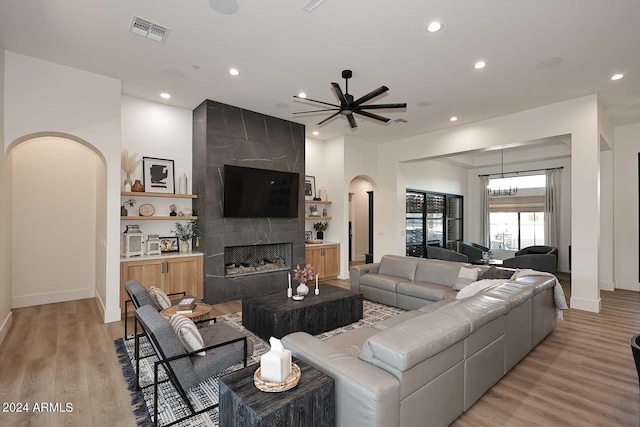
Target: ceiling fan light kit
{"points": [[348, 106]]}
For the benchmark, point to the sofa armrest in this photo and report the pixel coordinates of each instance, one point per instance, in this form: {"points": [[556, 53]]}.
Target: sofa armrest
{"points": [[359, 270], [365, 395]]}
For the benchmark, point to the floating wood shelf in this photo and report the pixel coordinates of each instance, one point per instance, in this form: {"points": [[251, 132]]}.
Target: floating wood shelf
{"points": [[165, 195], [317, 217], [318, 202], [147, 218]]}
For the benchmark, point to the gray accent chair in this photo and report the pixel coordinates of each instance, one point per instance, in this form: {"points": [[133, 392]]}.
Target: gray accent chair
{"points": [[224, 347], [539, 258], [473, 250], [434, 252]]}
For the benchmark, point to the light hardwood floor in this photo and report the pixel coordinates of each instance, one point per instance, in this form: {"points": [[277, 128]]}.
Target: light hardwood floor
{"points": [[580, 375]]}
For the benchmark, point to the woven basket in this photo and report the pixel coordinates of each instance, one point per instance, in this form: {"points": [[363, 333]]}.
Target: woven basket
{"points": [[274, 387]]}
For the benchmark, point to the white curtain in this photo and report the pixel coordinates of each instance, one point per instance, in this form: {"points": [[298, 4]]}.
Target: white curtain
{"points": [[552, 207], [484, 212]]}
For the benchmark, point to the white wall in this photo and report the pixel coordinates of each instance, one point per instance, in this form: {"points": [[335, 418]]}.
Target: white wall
{"points": [[360, 219], [606, 268], [436, 176], [45, 98], [625, 195], [54, 222], [152, 129], [5, 221]]}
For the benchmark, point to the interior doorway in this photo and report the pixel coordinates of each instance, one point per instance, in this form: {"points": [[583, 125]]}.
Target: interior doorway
{"points": [[360, 220]]}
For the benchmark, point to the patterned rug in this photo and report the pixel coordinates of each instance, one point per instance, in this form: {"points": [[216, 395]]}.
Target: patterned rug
{"points": [[170, 405]]}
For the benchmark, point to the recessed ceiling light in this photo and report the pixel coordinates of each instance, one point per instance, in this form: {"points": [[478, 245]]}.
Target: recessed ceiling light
{"points": [[316, 133], [434, 27], [302, 95], [617, 76], [453, 118], [234, 71], [165, 95], [479, 65]]}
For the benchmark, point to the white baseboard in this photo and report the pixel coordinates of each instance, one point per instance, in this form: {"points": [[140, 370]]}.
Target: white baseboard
{"points": [[585, 304], [109, 316], [629, 285], [607, 285], [51, 297], [6, 325]]}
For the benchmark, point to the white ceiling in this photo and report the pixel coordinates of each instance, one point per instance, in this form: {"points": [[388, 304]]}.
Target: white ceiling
{"points": [[282, 50]]}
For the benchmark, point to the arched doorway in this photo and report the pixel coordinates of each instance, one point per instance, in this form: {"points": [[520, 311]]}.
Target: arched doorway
{"points": [[360, 248], [58, 219]]}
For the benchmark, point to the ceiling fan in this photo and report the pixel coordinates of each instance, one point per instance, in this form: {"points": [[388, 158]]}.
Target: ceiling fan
{"points": [[348, 107]]}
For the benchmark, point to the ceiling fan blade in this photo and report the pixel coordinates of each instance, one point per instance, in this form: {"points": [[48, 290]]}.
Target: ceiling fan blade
{"points": [[372, 116], [319, 102], [380, 106], [352, 121], [371, 95], [339, 94], [328, 118], [317, 111]]}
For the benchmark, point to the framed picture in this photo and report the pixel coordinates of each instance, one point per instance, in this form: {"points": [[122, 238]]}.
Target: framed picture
{"points": [[169, 244], [158, 176], [308, 235], [309, 187]]}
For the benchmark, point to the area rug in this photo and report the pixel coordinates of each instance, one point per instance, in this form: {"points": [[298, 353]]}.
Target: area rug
{"points": [[170, 405]]}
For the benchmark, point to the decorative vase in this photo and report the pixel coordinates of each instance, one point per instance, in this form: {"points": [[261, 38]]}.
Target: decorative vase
{"points": [[182, 184], [123, 211], [302, 289], [320, 235], [137, 187], [127, 187], [184, 246]]}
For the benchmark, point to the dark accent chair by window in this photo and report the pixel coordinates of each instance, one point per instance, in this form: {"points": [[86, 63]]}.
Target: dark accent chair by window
{"points": [[224, 347], [139, 296], [473, 251], [434, 252], [539, 258]]}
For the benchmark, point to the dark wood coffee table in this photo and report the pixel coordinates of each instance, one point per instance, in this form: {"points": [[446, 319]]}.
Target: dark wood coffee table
{"points": [[275, 315]]}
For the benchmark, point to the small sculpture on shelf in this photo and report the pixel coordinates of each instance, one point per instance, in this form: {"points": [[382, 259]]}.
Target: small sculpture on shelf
{"points": [[173, 209], [123, 210], [313, 210]]}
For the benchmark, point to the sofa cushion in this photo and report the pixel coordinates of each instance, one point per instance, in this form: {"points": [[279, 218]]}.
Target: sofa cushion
{"points": [[438, 272], [351, 342], [396, 320], [497, 273], [380, 281], [426, 291], [415, 340], [188, 333], [478, 311], [398, 266], [430, 308], [467, 274], [159, 297]]}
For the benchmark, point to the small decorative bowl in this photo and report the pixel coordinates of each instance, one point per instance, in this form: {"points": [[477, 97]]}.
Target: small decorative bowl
{"points": [[298, 297]]}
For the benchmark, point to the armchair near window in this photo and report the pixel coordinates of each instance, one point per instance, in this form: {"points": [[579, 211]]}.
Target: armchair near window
{"points": [[539, 258], [434, 252], [473, 250]]}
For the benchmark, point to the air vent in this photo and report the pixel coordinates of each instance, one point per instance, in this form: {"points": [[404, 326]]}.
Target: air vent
{"points": [[148, 29], [400, 121], [312, 4]]}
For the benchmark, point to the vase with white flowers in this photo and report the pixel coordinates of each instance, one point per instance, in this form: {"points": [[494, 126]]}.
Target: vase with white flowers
{"points": [[185, 232]]}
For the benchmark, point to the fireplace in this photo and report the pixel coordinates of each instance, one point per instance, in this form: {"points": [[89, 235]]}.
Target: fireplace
{"points": [[256, 259]]}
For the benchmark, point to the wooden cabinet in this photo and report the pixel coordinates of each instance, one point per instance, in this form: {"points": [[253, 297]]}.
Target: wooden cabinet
{"points": [[171, 274], [325, 260]]}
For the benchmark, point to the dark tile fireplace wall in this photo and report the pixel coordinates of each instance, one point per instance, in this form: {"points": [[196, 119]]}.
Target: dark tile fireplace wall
{"points": [[223, 134]]}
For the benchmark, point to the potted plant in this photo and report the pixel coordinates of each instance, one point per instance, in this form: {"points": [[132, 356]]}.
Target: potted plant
{"points": [[186, 232], [320, 228], [313, 209], [123, 210], [302, 275]]}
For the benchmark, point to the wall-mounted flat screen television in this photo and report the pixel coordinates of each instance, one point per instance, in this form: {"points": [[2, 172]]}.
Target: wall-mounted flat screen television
{"points": [[260, 193]]}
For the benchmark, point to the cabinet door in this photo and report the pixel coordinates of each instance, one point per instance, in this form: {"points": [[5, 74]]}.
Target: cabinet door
{"points": [[331, 261], [149, 273], [184, 274], [314, 257]]}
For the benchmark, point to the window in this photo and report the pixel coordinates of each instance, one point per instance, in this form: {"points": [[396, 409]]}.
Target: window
{"points": [[516, 222]]}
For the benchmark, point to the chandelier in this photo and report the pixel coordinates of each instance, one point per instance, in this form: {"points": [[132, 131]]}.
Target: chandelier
{"points": [[496, 192]]}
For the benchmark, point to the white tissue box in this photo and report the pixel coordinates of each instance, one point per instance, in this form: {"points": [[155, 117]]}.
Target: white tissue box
{"points": [[275, 365]]}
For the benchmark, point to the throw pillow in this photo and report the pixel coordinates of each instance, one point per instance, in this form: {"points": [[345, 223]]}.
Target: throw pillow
{"points": [[497, 273], [159, 297], [467, 275], [188, 333]]}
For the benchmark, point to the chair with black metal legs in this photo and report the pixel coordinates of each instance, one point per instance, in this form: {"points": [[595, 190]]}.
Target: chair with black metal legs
{"points": [[186, 369], [635, 350]]}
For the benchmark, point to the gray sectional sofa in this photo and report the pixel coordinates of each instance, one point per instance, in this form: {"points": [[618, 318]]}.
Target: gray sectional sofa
{"points": [[428, 365]]}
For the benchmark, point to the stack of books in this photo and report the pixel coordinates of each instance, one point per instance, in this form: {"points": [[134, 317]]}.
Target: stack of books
{"points": [[186, 306]]}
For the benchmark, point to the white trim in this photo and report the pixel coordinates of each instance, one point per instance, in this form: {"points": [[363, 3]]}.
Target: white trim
{"points": [[6, 325], [607, 285], [51, 297], [629, 285], [585, 304], [109, 316]]}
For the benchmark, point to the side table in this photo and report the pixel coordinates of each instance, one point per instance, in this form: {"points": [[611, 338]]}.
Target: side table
{"points": [[310, 403], [201, 312]]}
